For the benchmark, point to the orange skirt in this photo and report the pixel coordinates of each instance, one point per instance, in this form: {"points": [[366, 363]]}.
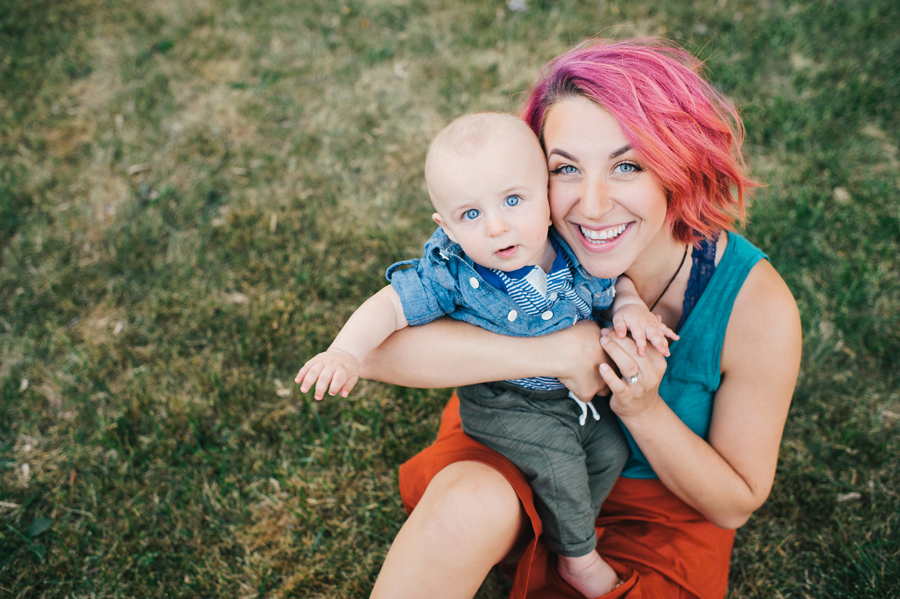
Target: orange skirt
{"points": [[659, 546]]}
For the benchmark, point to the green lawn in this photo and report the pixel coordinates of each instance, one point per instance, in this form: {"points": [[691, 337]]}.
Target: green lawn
{"points": [[195, 195]]}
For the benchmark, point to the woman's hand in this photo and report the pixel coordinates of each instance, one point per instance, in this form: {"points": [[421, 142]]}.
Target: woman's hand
{"points": [[637, 391], [580, 355]]}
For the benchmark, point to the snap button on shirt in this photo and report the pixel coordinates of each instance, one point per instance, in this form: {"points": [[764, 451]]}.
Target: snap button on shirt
{"points": [[547, 315], [473, 282], [512, 315]]}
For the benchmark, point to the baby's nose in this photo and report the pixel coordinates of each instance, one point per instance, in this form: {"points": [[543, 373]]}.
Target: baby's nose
{"points": [[497, 226]]}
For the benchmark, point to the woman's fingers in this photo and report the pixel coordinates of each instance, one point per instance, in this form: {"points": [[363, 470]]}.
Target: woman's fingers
{"points": [[636, 389], [616, 385], [627, 364]]}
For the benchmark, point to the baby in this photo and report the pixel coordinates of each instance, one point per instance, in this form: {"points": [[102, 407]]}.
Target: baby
{"points": [[495, 262]]}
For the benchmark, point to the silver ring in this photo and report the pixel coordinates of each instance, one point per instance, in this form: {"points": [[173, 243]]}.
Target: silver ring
{"points": [[635, 378]]}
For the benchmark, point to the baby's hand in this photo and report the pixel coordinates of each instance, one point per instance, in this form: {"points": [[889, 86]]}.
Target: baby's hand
{"points": [[644, 326], [333, 371]]}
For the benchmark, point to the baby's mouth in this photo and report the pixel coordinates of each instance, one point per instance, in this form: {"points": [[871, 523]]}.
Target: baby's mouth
{"points": [[603, 235]]}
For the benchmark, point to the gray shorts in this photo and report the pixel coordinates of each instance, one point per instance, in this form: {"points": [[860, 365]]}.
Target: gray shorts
{"points": [[570, 468]]}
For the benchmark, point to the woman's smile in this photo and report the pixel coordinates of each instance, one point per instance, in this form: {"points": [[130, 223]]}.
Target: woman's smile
{"points": [[602, 235]]}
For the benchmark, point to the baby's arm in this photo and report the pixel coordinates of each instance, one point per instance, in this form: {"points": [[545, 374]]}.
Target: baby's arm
{"points": [[337, 369], [630, 313]]}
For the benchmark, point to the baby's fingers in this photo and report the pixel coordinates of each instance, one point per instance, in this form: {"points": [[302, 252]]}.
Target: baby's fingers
{"points": [[640, 339], [341, 383], [324, 381], [620, 326], [348, 386], [665, 330], [302, 373], [308, 375], [658, 340]]}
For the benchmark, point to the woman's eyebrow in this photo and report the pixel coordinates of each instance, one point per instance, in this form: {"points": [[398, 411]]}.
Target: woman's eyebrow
{"points": [[562, 153], [619, 152]]}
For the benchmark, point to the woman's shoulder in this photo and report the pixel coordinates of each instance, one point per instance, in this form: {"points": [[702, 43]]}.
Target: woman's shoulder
{"points": [[763, 288], [765, 317]]}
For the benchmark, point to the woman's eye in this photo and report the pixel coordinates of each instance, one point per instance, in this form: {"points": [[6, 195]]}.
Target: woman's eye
{"points": [[471, 214], [512, 200], [564, 169], [627, 168]]}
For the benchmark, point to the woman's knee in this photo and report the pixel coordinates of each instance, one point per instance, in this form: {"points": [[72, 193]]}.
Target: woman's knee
{"points": [[470, 501]]}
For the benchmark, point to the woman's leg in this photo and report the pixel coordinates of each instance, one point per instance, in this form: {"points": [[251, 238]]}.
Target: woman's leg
{"points": [[468, 519]]}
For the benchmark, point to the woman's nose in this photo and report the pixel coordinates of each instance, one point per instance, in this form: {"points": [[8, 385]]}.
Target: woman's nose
{"points": [[596, 199]]}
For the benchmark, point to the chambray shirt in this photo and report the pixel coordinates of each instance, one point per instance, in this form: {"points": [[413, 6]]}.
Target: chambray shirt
{"points": [[445, 282]]}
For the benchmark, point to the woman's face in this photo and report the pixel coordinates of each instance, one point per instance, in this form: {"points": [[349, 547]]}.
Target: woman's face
{"points": [[605, 204]]}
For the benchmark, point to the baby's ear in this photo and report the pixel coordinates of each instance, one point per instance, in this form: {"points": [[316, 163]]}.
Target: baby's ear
{"points": [[440, 222]]}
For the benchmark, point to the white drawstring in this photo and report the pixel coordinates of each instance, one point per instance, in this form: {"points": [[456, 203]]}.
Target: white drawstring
{"points": [[584, 409]]}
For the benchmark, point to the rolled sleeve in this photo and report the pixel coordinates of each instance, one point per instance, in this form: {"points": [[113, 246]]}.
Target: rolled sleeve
{"points": [[422, 297]]}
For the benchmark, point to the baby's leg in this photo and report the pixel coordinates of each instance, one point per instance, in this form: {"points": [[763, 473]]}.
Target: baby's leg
{"points": [[544, 439], [589, 574], [606, 452]]}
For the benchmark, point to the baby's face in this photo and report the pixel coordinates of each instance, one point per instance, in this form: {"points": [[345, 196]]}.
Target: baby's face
{"points": [[493, 202]]}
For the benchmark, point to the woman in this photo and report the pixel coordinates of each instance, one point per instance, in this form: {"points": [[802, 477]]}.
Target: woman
{"points": [[643, 157]]}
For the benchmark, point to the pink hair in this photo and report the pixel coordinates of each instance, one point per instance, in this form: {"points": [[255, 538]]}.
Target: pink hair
{"points": [[686, 132]]}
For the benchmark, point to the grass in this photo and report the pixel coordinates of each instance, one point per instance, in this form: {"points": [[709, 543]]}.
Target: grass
{"points": [[194, 196]]}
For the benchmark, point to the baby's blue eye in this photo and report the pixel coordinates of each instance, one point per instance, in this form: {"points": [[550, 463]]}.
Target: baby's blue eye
{"points": [[471, 214], [512, 200]]}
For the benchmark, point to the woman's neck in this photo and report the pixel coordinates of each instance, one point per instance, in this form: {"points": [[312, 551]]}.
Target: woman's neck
{"points": [[661, 264]]}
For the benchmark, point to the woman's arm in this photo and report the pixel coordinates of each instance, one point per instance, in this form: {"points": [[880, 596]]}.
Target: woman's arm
{"points": [[729, 477], [448, 353]]}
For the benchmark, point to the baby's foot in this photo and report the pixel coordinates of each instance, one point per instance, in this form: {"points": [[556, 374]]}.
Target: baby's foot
{"points": [[588, 574]]}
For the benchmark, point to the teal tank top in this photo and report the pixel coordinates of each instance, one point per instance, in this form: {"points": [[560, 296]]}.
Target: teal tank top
{"points": [[693, 373]]}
